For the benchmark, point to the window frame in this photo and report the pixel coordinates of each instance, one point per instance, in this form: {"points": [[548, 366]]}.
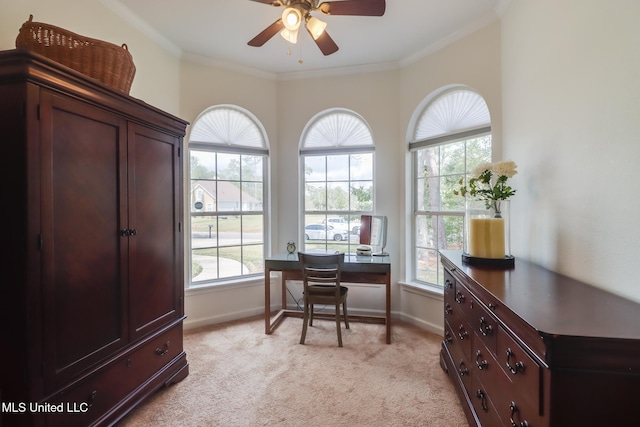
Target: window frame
{"points": [[326, 151], [438, 213], [454, 134], [229, 147]]}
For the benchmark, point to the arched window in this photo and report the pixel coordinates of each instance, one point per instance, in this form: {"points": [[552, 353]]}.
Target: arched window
{"points": [[449, 134], [336, 152], [228, 153]]}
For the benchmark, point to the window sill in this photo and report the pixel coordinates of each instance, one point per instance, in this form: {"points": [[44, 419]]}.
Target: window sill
{"points": [[429, 291], [244, 282]]}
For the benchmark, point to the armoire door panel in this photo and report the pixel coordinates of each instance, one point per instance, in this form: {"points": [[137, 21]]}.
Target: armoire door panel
{"points": [[84, 262], [153, 213]]}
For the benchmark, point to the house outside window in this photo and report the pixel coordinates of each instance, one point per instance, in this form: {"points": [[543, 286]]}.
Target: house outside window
{"points": [[450, 135], [228, 191], [336, 160]]}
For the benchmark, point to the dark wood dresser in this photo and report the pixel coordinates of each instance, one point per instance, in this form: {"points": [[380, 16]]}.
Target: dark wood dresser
{"points": [[91, 289], [526, 347]]}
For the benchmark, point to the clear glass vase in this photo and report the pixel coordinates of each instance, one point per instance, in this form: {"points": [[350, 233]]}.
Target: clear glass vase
{"points": [[487, 231]]}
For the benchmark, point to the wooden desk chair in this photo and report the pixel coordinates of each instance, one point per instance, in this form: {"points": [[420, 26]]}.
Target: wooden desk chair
{"points": [[321, 277]]}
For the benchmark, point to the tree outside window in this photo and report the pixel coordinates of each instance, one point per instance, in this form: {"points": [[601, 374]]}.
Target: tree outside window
{"points": [[452, 135]]}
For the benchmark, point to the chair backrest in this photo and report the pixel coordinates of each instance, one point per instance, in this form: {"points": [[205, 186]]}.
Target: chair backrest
{"points": [[321, 269]]}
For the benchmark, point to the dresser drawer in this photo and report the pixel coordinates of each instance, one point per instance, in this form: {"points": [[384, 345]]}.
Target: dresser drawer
{"points": [[459, 350], [449, 286], [87, 401], [482, 402], [480, 320], [519, 368], [512, 406], [459, 333]]}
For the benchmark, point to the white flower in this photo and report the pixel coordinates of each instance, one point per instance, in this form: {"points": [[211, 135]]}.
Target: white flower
{"points": [[506, 168], [488, 182], [478, 170]]}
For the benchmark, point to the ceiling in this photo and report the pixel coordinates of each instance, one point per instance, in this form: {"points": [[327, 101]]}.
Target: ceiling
{"points": [[218, 30]]}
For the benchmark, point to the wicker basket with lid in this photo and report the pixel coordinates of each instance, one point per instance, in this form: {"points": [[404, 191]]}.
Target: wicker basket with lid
{"points": [[110, 64]]}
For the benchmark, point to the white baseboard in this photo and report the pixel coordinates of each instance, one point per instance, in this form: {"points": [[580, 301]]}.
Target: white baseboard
{"points": [[227, 317], [422, 324]]}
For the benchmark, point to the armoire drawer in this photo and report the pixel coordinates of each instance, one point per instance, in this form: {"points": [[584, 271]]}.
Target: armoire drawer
{"points": [[154, 354], [91, 398]]}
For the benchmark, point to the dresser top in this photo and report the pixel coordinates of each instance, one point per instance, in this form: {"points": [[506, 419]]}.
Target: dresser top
{"points": [[554, 304]]}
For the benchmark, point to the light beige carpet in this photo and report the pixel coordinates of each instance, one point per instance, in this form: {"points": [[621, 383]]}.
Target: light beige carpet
{"points": [[241, 377]]}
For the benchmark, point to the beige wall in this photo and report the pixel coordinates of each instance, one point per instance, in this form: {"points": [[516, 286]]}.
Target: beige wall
{"points": [[204, 85], [157, 71], [560, 80], [572, 123], [473, 61], [386, 99]]}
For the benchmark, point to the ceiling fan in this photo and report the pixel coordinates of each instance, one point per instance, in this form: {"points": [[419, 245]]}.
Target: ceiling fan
{"points": [[297, 12]]}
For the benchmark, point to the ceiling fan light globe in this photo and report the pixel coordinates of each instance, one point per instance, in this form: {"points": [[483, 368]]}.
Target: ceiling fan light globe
{"points": [[316, 27], [290, 36], [291, 18]]}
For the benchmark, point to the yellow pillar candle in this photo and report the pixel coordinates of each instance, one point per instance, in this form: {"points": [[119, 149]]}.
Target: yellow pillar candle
{"points": [[486, 238]]}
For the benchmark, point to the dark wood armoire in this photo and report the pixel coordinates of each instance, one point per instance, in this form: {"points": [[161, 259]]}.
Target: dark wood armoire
{"points": [[91, 288]]}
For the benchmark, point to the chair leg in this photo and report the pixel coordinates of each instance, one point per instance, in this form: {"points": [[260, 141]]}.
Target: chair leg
{"points": [[344, 312], [338, 328], [305, 320], [311, 316]]}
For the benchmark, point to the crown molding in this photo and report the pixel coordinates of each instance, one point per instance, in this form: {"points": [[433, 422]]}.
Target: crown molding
{"points": [[121, 10], [476, 25], [139, 24], [226, 65], [339, 71], [502, 7]]}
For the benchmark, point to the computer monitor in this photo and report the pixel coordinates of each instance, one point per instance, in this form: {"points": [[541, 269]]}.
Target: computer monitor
{"points": [[373, 232]]}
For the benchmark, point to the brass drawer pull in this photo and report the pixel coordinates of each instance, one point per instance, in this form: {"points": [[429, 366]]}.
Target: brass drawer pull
{"points": [[518, 367], [91, 398], [485, 328], [459, 297], [482, 364], [514, 410], [483, 400], [163, 351], [462, 334], [463, 370]]}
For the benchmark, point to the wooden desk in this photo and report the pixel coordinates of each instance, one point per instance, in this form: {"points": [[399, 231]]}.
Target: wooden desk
{"points": [[356, 269]]}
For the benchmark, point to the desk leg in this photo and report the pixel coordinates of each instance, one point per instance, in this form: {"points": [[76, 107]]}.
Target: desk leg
{"points": [[267, 301], [284, 290], [388, 307]]}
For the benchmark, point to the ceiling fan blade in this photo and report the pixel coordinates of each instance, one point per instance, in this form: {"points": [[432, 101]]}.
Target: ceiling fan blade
{"points": [[325, 43], [266, 34], [271, 2], [353, 7]]}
